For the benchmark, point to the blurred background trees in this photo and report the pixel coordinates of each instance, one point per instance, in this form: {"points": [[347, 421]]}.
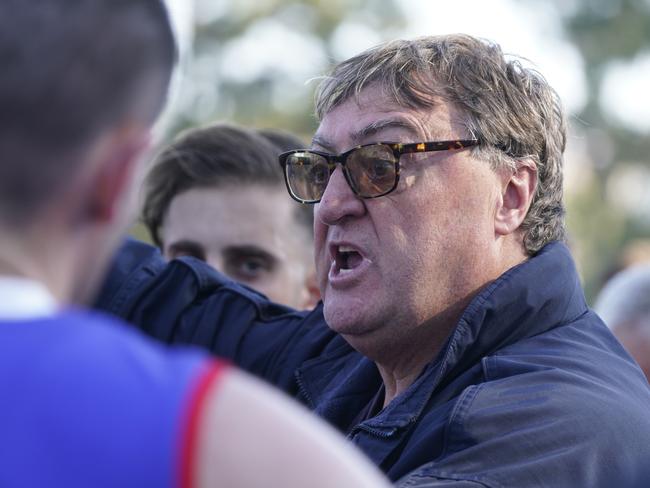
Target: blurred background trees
{"points": [[609, 214], [256, 62]]}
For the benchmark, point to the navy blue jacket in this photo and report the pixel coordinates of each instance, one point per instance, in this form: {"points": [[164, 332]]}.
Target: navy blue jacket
{"points": [[530, 390]]}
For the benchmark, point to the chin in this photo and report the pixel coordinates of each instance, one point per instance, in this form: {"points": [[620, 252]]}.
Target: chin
{"points": [[362, 336], [348, 320], [342, 320]]}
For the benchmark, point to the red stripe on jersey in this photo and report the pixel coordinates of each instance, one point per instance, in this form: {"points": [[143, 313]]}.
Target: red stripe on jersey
{"points": [[207, 381]]}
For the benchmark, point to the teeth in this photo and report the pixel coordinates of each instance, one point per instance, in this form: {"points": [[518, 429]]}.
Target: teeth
{"points": [[346, 249]]}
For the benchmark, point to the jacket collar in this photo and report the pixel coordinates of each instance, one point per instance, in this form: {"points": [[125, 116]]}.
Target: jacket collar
{"points": [[536, 296], [540, 294]]}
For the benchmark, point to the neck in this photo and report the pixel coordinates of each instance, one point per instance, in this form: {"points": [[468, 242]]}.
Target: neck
{"points": [[401, 366], [33, 257], [401, 363], [396, 382]]}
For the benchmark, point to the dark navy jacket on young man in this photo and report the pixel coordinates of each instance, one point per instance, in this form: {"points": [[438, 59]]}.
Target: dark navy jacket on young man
{"points": [[530, 390]]}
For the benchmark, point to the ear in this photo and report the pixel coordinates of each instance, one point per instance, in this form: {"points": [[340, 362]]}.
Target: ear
{"points": [[516, 196], [311, 293], [115, 161]]}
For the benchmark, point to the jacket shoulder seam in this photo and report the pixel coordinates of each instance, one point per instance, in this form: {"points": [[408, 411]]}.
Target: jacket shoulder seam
{"points": [[433, 475], [457, 415]]}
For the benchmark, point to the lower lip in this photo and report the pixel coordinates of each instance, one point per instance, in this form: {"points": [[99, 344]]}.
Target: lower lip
{"points": [[343, 278]]}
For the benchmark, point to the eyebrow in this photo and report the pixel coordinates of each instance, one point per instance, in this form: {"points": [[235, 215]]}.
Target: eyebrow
{"points": [[367, 131], [231, 252], [321, 141], [188, 246], [382, 124]]}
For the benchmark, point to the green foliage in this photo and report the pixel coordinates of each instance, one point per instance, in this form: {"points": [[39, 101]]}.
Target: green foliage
{"points": [[256, 101], [606, 31]]}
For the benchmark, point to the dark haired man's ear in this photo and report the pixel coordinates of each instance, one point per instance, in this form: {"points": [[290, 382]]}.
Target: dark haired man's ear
{"points": [[516, 197], [116, 158]]}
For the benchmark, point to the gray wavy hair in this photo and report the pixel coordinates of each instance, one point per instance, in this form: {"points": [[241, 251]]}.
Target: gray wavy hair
{"points": [[509, 108]]}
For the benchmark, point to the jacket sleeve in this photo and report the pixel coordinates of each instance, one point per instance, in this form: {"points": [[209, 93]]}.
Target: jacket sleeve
{"points": [[187, 302]]}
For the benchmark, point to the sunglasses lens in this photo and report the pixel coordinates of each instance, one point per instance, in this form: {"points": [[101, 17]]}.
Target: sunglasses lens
{"points": [[307, 175], [372, 170]]}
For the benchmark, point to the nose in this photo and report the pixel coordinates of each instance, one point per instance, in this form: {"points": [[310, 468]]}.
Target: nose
{"points": [[338, 201]]}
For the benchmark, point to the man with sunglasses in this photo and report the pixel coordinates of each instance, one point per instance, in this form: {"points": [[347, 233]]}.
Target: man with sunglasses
{"points": [[453, 343]]}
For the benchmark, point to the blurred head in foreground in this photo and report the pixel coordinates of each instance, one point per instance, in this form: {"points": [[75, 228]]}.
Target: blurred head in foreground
{"points": [[81, 86], [77, 108]]}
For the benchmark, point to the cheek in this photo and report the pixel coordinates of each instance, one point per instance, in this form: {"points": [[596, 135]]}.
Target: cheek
{"points": [[319, 227], [320, 258], [215, 262], [462, 209], [428, 233], [320, 238], [285, 286]]}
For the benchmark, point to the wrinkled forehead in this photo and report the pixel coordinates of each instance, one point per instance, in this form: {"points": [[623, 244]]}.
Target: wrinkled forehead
{"points": [[374, 115], [382, 93]]}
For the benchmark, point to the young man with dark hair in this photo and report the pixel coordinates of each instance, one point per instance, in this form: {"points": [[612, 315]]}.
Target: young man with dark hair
{"points": [[217, 194], [87, 401]]}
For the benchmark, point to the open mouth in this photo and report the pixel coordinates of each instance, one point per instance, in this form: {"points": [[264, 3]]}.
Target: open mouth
{"points": [[347, 258]]}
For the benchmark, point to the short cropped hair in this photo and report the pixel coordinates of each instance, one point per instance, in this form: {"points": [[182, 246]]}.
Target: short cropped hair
{"points": [[283, 140], [509, 108], [211, 157], [71, 69]]}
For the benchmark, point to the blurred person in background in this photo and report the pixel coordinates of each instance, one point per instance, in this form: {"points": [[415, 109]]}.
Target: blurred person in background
{"points": [[453, 343], [217, 194], [86, 400], [283, 141], [624, 305]]}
